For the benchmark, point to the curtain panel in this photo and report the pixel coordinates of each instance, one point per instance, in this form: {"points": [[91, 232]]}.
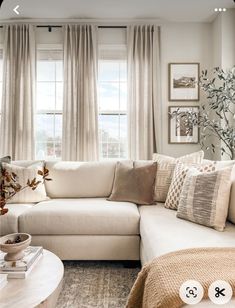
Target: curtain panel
{"points": [[144, 99], [18, 97], [80, 110]]}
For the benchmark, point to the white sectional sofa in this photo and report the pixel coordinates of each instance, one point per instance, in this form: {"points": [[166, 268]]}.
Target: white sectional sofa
{"points": [[78, 223]]}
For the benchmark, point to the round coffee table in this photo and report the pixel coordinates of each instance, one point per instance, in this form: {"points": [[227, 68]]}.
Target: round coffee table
{"points": [[40, 289]]}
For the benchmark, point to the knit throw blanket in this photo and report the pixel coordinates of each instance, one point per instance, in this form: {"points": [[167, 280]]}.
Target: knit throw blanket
{"points": [[158, 283]]}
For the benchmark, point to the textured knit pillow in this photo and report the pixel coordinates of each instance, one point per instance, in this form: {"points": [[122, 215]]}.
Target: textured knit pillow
{"points": [[205, 198], [180, 172], [134, 182], [23, 175], [165, 169]]}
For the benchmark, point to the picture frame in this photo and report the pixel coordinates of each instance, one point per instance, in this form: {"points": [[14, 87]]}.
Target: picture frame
{"points": [[183, 82], [178, 131]]}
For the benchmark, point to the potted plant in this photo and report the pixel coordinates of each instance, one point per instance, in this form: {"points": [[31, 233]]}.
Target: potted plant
{"points": [[216, 118]]}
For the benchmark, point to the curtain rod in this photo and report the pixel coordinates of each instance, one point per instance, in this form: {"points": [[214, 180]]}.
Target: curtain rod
{"points": [[100, 27]]}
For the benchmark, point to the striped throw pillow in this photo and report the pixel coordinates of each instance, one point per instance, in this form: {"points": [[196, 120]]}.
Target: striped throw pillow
{"points": [[180, 172], [205, 198], [165, 170]]}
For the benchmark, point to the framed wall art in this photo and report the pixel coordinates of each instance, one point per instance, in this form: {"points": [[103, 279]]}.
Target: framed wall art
{"points": [[183, 81], [181, 128]]}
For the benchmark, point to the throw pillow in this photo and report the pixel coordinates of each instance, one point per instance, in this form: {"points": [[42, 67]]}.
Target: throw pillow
{"points": [[221, 165], [231, 212], [205, 198], [6, 159], [134, 182], [165, 169], [23, 175], [180, 172]]}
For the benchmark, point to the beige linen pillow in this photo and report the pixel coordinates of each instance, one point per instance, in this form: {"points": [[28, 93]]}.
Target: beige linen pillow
{"points": [[180, 172], [134, 182], [205, 198], [23, 175], [165, 169]]}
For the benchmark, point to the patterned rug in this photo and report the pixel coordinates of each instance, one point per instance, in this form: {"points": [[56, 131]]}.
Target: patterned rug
{"points": [[96, 284]]}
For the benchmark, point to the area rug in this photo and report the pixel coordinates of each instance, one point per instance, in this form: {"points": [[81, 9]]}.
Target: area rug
{"points": [[96, 284]]}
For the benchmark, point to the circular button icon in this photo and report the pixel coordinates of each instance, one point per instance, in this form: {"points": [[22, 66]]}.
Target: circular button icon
{"points": [[191, 292], [220, 292]]}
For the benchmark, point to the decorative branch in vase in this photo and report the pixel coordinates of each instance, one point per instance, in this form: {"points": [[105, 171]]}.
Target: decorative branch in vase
{"points": [[217, 116], [10, 186]]}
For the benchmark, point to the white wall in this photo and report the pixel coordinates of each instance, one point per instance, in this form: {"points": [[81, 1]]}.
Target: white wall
{"points": [[223, 51], [182, 42], [223, 36], [228, 39]]}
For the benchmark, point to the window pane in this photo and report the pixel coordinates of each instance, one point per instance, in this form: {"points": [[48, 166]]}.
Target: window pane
{"points": [[113, 150], [58, 128], [109, 126], [46, 96], [109, 96], [59, 70], [109, 71], [49, 104], [123, 71], [45, 127], [59, 95], [123, 96], [46, 71], [113, 108], [113, 136], [49, 136]]}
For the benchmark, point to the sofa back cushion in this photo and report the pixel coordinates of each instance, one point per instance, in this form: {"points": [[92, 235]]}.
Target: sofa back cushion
{"points": [[80, 179]]}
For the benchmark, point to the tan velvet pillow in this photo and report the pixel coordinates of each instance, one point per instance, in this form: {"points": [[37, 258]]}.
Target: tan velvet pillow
{"points": [[134, 182]]}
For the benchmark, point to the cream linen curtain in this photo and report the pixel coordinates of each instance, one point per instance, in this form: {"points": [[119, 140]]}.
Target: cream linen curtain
{"points": [[18, 98], [80, 113], [144, 91]]}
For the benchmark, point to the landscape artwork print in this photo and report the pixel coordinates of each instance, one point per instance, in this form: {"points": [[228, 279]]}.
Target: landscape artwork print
{"points": [[183, 81]]}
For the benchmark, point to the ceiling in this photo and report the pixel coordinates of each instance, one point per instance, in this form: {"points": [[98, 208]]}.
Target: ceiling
{"points": [[170, 10]]}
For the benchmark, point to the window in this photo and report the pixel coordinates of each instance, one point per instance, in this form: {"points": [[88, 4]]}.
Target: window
{"points": [[112, 81], [49, 103], [1, 78]]}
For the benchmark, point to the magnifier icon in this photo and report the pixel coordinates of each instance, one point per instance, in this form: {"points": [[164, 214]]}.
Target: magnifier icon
{"points": [[191, 292]]}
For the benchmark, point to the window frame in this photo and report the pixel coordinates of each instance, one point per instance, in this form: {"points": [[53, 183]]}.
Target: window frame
{"points": [[52, 112], [121, 55]]}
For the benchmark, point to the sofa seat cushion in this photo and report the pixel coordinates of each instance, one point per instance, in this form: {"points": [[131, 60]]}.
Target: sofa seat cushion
{"points": [[9, 221], [162, 232], [91, 216]]}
